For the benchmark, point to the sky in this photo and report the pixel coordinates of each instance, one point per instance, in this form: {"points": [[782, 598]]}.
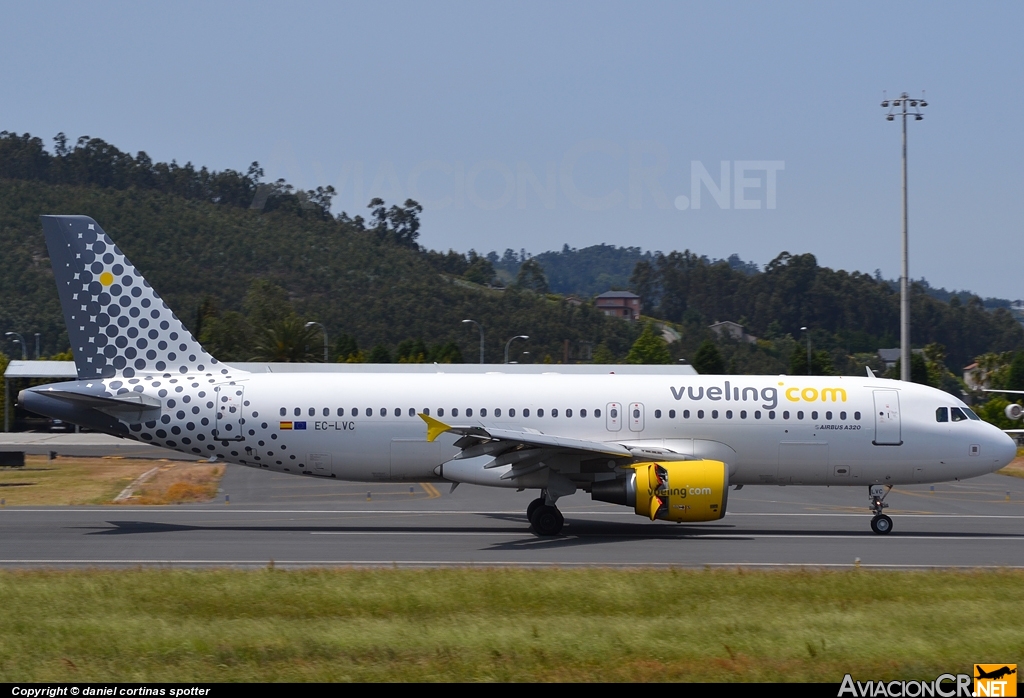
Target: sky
{"points": [[719, 127]]}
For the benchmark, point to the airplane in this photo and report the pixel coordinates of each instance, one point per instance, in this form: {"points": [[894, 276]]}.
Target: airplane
{"points": [[994, 674], [667, 446]]}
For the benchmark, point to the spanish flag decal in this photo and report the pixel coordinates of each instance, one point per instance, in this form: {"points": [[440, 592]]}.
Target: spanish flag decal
{"points": [[286, 425]]}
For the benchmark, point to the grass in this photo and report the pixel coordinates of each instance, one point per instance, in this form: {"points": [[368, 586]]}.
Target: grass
{"points": [[79, 481], [503, 625], [180, 483], [1016, 467]]}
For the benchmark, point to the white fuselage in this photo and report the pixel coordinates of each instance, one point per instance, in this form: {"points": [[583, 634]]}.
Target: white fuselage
{"points": [[768, 429]]}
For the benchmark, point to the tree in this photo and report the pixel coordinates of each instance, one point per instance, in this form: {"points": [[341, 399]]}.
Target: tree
{"points": [[918, 369], [707, 360], [380, 355], [821, 362], [531, 276], [649, 348], [286, 340]]}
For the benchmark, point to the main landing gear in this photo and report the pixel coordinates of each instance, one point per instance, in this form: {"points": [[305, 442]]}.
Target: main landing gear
{"points": [[880, 524], [545, 518]]}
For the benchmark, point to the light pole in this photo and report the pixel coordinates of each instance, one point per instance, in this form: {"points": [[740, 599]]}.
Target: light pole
{"points": [[904, 101], [518, 336], [324, 330], [37, 345], [808, 335], [20, 340], [479, 327]]}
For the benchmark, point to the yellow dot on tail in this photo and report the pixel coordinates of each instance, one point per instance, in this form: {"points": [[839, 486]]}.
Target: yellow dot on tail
{"points": [[106, 278]]}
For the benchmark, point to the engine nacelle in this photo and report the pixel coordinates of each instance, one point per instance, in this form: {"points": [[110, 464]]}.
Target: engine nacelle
{"points": [[675, 491], [1014, 411]]}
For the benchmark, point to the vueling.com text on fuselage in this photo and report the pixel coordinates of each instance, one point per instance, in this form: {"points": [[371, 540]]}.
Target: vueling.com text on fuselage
{"points": [[769, 396]]}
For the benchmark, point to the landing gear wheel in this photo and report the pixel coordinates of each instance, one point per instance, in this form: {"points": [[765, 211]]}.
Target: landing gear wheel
{"points": [[881, 524], [539, 502], [547, 521]]}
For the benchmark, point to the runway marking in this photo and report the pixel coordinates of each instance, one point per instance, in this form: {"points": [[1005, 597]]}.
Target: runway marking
{"points": [[682, 536], [503, 564]]}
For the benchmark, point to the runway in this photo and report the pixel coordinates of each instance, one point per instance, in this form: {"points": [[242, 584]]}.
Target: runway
{"points": [[261, 517]]}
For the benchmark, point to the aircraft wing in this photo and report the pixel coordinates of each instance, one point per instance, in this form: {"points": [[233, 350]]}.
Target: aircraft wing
{"points": [[529, 449]]}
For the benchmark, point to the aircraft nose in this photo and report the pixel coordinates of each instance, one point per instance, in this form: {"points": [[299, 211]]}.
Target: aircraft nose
{"points": [[1005, 449]]}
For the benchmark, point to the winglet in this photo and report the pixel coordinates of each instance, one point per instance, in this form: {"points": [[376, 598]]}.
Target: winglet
{"points": [[434, 427], [871, 374]]}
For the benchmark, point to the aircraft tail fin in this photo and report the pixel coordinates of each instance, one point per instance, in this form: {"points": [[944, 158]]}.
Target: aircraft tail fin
{"points": [[117, 324]]}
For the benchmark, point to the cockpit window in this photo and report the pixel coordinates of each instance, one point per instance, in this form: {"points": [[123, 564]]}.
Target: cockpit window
{"points": [[970, 413], [942, 415], [956, 414]]}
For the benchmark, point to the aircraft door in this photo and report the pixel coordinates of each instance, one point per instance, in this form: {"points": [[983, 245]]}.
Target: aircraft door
{"points": [[613, 416], [636, 416], [887, 418], [228, 412]]}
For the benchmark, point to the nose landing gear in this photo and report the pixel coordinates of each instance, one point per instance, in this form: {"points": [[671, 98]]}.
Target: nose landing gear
{"points": [[880, 524], [545, 518]]}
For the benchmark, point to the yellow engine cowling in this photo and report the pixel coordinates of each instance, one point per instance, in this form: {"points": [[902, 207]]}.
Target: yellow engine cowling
{"points": [[682, 491]]}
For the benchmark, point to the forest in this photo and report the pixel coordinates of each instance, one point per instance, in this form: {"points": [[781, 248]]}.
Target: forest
{"points": [[260, 270]]}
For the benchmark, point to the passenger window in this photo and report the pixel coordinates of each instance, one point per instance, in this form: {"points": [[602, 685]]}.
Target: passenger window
{"points": [[283, 412], [671, 414], [398, 411], [312, 411], [942, 415], [956, 414], [426, 411], [686, 414], [743, 414], [355, 411], [842, 416], [483, 411], [614, 413], [800, 414], [714, 414], [455, 411], [327, 411], [554, 412], [526, 412], [497, 411], [583, 413], [369, 411], [700, 414], [540, 413], [511, 411], [785, 414], [412, 411], [728, 414], [383, 411], [568, 413], [298, 411], [814, 415], [597, 413], [440, 411], [341, 411], [469, 411], [828, 416], [657, 414], [856, 416]]}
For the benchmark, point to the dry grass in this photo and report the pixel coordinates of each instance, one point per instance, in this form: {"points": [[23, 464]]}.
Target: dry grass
{"points": [[1016, 468], [78, 481], [179, 483], [69, 481]]}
